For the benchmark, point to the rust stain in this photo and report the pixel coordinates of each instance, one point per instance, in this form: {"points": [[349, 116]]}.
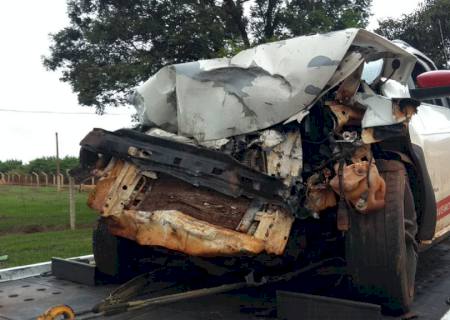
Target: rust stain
{"points": [[98, 196], [177, 231], [170, 213], [168, 193], [345, 115], [366, 197], [319, 195]]}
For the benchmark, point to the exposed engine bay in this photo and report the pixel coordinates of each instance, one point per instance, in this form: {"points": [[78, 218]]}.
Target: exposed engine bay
{"points": [[233, 156]]}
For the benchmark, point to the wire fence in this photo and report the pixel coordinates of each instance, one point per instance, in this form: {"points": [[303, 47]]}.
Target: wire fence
{"points": [[43, 216]]}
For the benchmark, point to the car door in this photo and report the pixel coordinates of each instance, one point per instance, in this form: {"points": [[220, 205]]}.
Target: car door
{"points": [[430, 130]]}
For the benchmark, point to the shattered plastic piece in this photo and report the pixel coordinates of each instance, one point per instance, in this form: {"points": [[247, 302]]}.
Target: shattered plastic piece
{"points": [[286, 160], [394, 89], [382, 111], [270, 139], [379, 110]]}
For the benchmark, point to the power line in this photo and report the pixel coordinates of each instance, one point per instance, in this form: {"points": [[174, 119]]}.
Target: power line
{"points": [[60, 112]]}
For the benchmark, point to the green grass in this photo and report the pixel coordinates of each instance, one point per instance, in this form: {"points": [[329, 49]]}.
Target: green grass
{"points": [[42, 246], [28, 209], [34, 225]]}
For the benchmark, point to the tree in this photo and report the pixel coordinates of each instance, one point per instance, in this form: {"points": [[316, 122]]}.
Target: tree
{"points": [[111, 46], [11, 165], [424, 30], [48, 164]]}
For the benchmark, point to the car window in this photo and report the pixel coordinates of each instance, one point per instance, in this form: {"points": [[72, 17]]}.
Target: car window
{"points": [[372, 70]]}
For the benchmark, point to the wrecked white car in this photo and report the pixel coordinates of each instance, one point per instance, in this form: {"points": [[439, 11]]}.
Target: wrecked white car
{"points": [[287, 153]]}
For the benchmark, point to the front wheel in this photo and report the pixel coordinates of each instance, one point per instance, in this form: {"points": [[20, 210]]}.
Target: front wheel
{"points": [[121, 259], [381, 247]]}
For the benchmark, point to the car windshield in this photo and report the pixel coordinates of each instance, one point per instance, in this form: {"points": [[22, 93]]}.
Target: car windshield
{"points": [[372, 70]]}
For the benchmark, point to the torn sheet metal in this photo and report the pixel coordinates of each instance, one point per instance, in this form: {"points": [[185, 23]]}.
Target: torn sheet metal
{"points": [[258, 87], [394, 89], [379, 110], [177, 231], [382, 111], [173, 214]]}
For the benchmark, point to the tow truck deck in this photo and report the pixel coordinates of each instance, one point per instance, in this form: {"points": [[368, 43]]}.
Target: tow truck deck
{"points": [[28, 297]]}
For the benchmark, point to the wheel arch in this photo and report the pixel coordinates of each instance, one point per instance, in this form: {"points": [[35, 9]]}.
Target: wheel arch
{"points": [[401, 148], [424, 195]]}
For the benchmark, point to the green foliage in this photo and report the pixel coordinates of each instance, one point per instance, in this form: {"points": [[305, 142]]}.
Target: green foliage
{"points": [[111, 46], [421, 29], [299, 17], [45, 164], [48, 164], [11, 165]]}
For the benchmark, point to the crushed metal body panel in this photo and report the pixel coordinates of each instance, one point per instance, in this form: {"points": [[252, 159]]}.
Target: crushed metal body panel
{"points": [[259, 87], [143, 209], [180, 232], [235, 156]]}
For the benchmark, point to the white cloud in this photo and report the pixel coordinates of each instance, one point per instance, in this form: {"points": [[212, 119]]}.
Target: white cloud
{"points": [[390, 9]]}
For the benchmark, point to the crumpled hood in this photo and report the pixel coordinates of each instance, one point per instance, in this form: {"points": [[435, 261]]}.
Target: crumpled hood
{"points": [[259, 87]]}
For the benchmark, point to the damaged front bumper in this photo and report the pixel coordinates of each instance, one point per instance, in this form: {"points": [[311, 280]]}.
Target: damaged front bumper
{"points": [[183, 197]]}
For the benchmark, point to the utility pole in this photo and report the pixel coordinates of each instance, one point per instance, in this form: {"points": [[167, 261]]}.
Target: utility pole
{"points": [[58, 180]]}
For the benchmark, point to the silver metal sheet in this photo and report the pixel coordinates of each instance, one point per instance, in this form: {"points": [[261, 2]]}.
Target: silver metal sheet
{"points": [[259, 87]]}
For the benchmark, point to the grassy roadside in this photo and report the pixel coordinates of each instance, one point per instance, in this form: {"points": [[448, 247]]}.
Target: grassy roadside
{"points": [[34, 225], [42, 246], [32, 209]]}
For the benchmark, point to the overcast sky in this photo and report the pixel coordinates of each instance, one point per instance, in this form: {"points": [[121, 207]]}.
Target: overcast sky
{"points": [[26, 86]]}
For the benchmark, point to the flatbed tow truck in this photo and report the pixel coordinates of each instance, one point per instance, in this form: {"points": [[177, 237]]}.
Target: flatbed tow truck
{"points": [[30, 297]]}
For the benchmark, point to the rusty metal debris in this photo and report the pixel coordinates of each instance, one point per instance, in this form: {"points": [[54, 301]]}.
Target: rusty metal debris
{"points": [[319, 194], [362, 185], [142, 208]]}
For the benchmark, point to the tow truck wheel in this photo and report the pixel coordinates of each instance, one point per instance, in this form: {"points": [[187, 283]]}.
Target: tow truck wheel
{"points": [[381, 247]]}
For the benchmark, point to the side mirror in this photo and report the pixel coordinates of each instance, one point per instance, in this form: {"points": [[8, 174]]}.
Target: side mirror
{"points": [[433, 79], [432, 85]]}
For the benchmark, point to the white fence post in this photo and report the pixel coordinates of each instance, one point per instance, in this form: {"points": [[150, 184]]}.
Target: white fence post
{"points": [[37, 178], [45, 177]]}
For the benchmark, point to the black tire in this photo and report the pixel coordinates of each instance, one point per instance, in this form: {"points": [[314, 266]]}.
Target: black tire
{"points": [[381, 247], [115, 257]]}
